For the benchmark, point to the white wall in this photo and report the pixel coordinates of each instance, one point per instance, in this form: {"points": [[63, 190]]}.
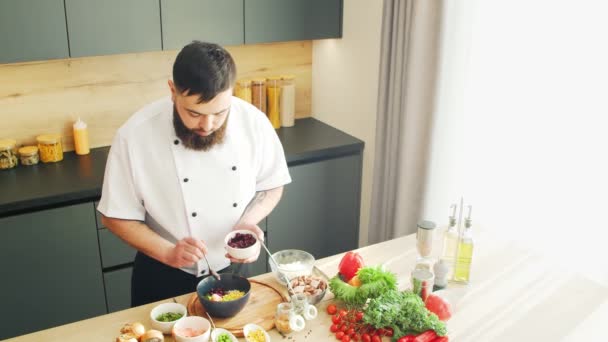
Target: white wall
{"points": [[345, 85]]}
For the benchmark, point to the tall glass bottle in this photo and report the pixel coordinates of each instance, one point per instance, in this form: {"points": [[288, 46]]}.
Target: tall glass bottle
{"points": [[450, 242], [462, 269]]}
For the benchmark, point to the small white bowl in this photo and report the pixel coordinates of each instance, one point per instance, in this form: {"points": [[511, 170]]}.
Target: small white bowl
{"points": [[165, 327], [242, 253], [192, 322], [218, 331], [253, 327]]}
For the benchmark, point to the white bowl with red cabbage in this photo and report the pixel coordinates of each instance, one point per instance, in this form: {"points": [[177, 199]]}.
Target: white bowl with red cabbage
{"points": [[241, 244]]}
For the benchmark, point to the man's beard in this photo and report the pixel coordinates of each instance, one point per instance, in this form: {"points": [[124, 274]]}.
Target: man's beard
{"points": [[194, 141]]}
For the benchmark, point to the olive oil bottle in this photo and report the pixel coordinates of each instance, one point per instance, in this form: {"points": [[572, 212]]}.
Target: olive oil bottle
{"points": [[464, 256]]}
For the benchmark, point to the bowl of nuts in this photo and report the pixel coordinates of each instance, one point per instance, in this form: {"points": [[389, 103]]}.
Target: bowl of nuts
{"points": [[314, 285]]}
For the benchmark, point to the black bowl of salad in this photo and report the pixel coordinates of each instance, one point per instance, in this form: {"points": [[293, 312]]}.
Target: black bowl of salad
{"points": [[225, 297]]}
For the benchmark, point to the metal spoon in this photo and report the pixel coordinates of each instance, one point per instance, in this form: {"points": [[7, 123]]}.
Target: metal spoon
{"points": [[212, 272], [278, 269]]}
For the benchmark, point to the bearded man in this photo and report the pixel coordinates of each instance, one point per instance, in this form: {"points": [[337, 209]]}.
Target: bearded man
{"points": [[187, 169]]}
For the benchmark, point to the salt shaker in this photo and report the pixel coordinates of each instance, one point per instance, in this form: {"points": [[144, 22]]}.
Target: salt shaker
{"points": [[301, 306]]}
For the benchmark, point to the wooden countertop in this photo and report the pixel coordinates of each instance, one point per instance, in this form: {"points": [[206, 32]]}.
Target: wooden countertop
{"points": [[515, 295]]}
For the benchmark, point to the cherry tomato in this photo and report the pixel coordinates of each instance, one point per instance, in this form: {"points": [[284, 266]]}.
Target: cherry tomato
{"points": [[344, 328], [376, 338], [345, 338], [331, 309], [366, 338], [359, 316], [343, 313], [380, 332], [336, 319], [350, 332], [339, 335], [334, 328], [388, 331], [356, 337]]}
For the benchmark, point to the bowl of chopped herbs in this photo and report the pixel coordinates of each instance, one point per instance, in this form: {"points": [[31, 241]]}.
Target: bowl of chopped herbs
{"points": [[164, 316]]}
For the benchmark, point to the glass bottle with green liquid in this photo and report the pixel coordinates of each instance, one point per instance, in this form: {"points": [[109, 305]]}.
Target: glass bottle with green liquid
{"points": [[464, 256]]}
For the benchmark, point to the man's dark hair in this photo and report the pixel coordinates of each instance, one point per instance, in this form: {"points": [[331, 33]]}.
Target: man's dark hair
{"points": [[203, 69]]}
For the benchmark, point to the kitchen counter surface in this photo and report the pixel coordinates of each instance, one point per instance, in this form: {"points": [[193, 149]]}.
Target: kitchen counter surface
{"points": [[515, 295], [79, 178]]}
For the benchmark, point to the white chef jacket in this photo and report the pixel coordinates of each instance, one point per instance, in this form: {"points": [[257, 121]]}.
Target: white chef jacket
{"points": [[151, 177]]}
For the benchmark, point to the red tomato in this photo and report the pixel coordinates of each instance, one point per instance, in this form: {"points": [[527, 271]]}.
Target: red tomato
{"points": [[336, 319], [345, 338], [334, 328], [380, 332], [439, 306], [350, 332], [366, 338], [376, 338], [344, 328], [343, 313], [356, 337], [388, 331], [339, 335], [349, 265], [331, 309], [359, 316]]}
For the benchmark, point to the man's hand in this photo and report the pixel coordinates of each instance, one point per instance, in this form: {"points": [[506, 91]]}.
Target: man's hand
{"points": [[260, 235], [186, 252]]}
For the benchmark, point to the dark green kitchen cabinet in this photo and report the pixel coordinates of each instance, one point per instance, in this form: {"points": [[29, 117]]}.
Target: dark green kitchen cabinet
{"points": [[51, 269], [32, 30], [319, 211], [113, 26], [214, 21], [118, 288], [285, 20]]}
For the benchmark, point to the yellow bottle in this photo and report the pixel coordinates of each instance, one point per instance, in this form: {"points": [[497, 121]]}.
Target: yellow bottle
{"points": [[464, 258], [81, 137], [273, 89]]}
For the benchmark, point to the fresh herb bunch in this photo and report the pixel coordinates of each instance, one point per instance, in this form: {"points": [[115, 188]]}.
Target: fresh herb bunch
{"points": [[404, 312], [374, 282]]}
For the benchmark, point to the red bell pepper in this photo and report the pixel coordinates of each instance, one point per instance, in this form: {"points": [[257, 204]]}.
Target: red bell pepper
{"points": [[349, 265], [426, 336]]}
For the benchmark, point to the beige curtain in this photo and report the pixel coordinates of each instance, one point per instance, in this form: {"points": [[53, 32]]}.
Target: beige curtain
{"points": [[408, 69]]}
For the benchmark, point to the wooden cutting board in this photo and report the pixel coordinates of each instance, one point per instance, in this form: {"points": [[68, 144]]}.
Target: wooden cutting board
{"points": [[260, 309]]}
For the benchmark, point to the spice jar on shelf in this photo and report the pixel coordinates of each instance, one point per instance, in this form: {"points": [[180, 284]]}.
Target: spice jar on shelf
{"points": [[288, 100], [243, 90], [258, 93], [28, 155], [8, 157], [273, 91], [50, 148]]}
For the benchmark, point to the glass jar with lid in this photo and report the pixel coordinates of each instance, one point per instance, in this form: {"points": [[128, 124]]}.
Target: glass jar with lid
{"points": [[8, 157], [288, 100], [50, 148], [243, 89], [273, 91], [28, 155], [258, 93]]}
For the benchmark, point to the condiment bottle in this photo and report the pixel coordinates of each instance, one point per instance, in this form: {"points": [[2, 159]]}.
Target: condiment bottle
{"points": [[273, 91], [50, 148], [81, 137], [441, 270], [450, 242], [464, 258], [258, 93], [302, 308], [287, 104], [424, 238], [422, 283], [287, 320], [243, 90], [28, 155], [8, 158]]}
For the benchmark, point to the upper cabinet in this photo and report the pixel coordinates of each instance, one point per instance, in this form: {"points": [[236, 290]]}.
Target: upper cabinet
{"points": [[214, 21], [284, 20], [112, 26], [32, 30]]}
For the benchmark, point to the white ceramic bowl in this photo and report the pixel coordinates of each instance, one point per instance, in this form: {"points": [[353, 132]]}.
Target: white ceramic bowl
{"points": [[242, 253], [165, 327], [253, 327], [195, 323], [218, 331], [292, 263]]}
